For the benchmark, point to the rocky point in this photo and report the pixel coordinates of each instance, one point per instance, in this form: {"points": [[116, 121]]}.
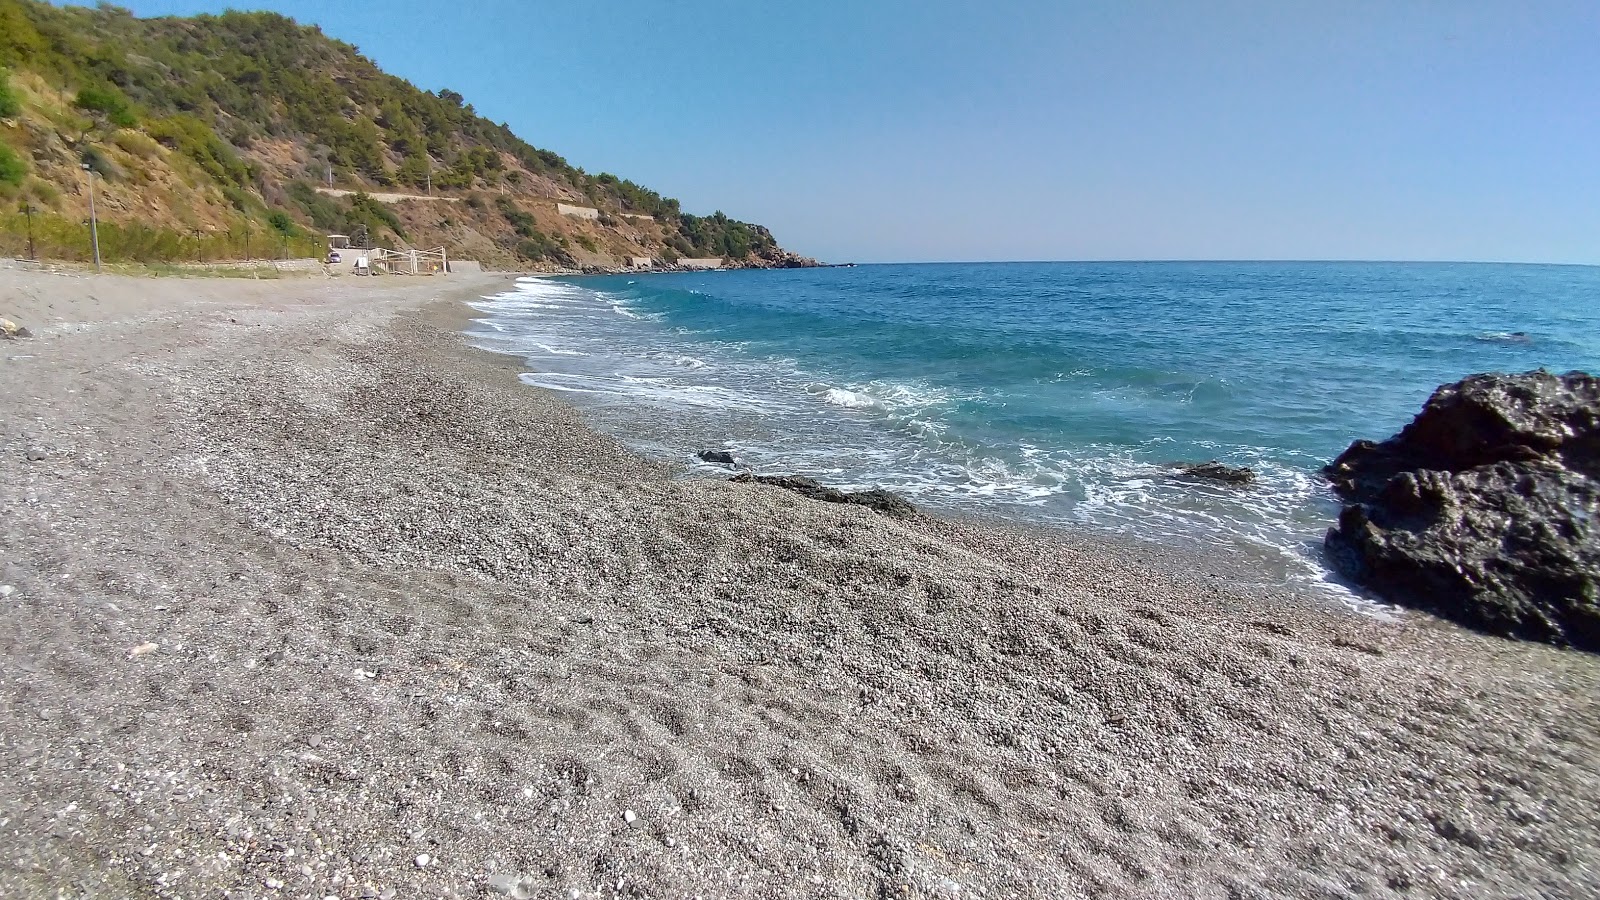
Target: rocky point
{"points": [[1484, 509]]}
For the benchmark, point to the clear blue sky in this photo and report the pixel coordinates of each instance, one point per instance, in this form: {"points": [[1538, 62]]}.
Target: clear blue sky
{"points": [[1003, 129]]}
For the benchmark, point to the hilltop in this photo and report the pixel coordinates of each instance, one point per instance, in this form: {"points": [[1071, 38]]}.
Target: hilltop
{"points": [[246, 133]]}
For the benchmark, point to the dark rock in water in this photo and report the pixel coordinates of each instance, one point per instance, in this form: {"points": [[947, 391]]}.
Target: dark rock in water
{"points": [[1485, 509], [1216, 471], [805, 487], [720, 457], [878, 499]]}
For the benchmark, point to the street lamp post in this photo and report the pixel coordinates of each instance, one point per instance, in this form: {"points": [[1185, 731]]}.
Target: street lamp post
{"points": [[94, 223]]}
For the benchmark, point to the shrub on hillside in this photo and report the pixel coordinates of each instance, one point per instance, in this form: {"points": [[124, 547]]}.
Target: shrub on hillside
{"points": [[136, 143], [43, 192], [520, 222], [107, 101], [9, 104], [281, 223], [369, 212], [12, 169], [539, 246], [196, 140], [413, 172], [322, 210]]}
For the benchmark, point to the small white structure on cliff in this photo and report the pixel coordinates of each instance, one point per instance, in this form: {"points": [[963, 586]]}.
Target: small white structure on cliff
{"points": [[578, 212], [712, 263], [641, 262]]}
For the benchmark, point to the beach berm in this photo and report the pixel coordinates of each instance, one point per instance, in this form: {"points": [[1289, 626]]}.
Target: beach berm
{"points": [[302, 597]]}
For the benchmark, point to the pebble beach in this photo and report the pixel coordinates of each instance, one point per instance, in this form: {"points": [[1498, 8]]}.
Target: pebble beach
{"points": [[302, 597]]}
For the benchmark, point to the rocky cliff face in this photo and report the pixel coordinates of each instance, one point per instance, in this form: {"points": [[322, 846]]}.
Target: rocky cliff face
{"points": [[1485, 509]]}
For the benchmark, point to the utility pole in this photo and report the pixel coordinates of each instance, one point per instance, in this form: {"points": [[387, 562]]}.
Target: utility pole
{"points": [[199, 246], [430, 181], [27, 210], [94, 223], [246, 241], [330, 177]]}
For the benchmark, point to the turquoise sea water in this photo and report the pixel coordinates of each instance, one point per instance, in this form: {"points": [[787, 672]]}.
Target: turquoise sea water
{"points": [[1049, 392]]}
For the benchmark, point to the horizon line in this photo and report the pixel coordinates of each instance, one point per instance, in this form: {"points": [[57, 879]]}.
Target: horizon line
{"points": [[1124, 261]]}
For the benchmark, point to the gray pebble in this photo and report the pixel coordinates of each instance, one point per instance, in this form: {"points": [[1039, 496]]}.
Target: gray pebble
{"points": [[35, 454], [514, 886]]}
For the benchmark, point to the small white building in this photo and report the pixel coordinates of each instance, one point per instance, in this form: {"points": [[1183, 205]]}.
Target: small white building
{"points": [[578, 212], [641, 262], [711, 263]]}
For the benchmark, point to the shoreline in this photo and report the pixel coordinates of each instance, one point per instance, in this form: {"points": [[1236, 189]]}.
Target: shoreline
{"points": [[1236, 570], [420, 625], [454, 316], [1280, 557]]}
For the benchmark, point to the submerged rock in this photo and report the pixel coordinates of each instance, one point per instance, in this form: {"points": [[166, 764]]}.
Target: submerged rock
{"points": [[719, 457], [1485, 509], [1216, 471], [879, 500]]}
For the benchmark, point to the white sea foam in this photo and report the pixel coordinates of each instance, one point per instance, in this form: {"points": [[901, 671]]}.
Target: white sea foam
{"points": [[880, 395], [558, 351], [680, 360], [845, 398], [646, 389]]}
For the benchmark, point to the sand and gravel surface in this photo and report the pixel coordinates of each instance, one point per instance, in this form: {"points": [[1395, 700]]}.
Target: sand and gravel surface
{"points": [[304, 599]]}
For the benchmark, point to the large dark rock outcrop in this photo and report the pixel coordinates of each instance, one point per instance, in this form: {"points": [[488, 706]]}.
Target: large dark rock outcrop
{"points": [[1485, 509], [878, 500]]}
